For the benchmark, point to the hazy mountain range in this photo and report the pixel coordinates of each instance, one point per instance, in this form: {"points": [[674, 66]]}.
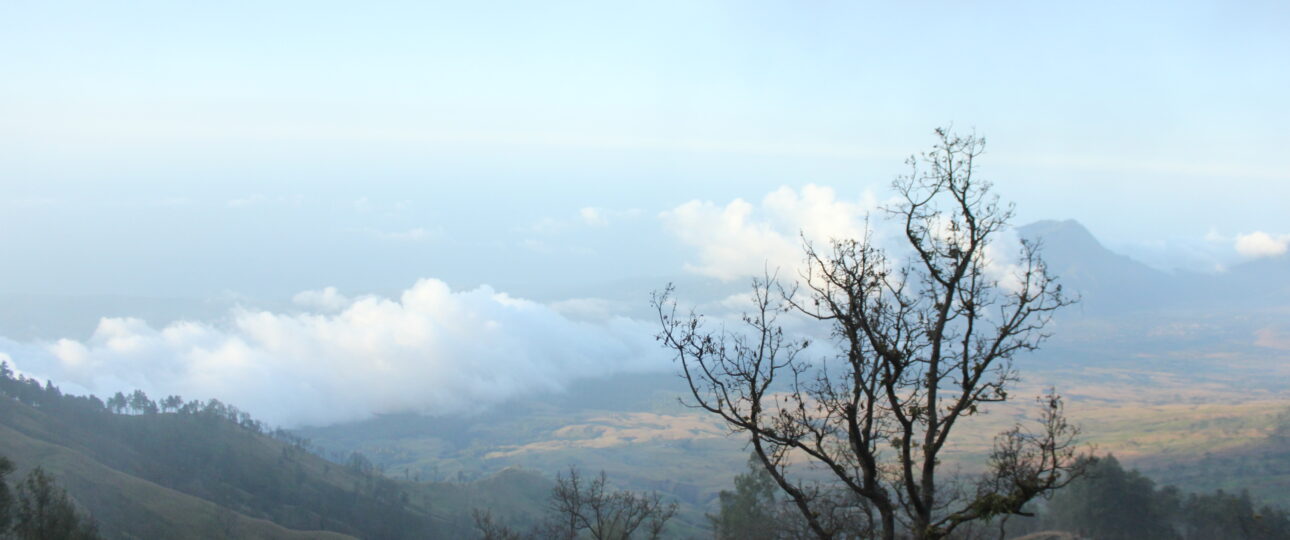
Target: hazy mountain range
{"points": [[1108, 282], [1165, 369]]}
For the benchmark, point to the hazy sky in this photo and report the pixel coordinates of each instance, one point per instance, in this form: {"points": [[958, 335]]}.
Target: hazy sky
{"points": [[266, 147], [197, 149]]}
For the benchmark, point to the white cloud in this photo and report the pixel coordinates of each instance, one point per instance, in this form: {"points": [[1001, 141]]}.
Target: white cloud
{"points": [[414, 234], [411, 235], [594, 217], [1259, 244], [742, 239], [431, 350], [326, 300], [250, 200], [545, 227], [587, 216], [257, 199], [1214, 252], [364, 205]]}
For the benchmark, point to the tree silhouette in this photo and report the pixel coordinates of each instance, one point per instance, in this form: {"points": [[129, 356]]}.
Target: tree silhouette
{"points": [[578, 506], [6, 497], [43, 511], [750, 510], [605, 514], [926, 338]]}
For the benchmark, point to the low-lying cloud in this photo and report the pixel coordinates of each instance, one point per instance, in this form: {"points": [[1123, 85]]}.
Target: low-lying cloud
{"points": [[742, 239], [431, 350]]}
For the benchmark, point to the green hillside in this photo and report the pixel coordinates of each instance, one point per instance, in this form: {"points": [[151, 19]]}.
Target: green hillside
{"points": [[209, 471], [129, 507]]}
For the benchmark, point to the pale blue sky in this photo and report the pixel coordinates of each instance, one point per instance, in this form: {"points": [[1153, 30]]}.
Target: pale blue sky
{"points": [[242, 152], [184, 149]]}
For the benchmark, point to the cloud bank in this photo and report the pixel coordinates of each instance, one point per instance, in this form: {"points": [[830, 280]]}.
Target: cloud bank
{"points": [[742, 239], [432, 350]]}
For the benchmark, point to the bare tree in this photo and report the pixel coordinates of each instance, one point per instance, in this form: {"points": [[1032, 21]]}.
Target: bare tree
{"points": [[577, 505], [607, 515], [492, 529], [926, 337]]}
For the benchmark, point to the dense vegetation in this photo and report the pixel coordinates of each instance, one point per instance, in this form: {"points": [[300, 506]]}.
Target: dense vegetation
{"points": [[1260, 465], [1108, 503], [1112, 503], [580, 508], [179, 469], [39, 509], [210, 451]]}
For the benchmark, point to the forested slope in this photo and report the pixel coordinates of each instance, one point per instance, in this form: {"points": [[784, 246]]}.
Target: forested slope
{"points": [[207, 470]]}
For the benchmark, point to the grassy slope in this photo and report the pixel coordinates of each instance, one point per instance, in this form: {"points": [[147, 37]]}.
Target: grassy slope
{"points": [[647, 444], [514, 496], [129, 507], [134, 493]]}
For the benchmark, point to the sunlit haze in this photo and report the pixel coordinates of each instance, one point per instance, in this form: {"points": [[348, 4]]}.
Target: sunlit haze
{"points": [[331, 213]]}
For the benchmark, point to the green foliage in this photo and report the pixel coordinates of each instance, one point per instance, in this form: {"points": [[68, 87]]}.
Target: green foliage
{"points": [[1112, 503], [750, 511], [42, 511], [211, 451], [6, 498], [1224, 515]]}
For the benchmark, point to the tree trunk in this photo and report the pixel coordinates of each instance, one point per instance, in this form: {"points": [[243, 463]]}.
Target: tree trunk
{"points": [[888, 523]]}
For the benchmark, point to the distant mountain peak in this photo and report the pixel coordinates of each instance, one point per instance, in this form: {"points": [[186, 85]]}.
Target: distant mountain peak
{"points": [[1069, 233], [1106, 280]]}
